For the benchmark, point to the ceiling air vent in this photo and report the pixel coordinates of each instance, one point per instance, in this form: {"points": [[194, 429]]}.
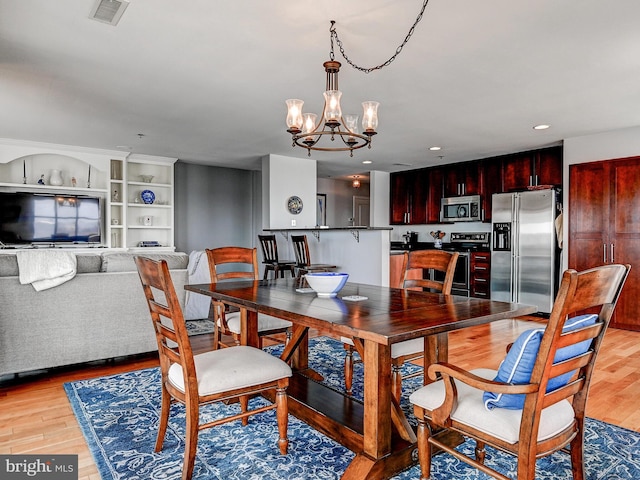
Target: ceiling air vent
{"points": [[108, 11]]}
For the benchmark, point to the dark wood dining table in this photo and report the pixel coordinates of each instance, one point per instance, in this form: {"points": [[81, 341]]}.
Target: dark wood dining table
{"points": [[376, 429]]}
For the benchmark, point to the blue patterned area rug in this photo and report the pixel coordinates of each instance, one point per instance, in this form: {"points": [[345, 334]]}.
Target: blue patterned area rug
{"points": [[199, 327], [119, 417]]}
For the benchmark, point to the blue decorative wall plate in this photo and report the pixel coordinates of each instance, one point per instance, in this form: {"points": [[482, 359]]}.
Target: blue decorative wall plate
{"points": [[294, 205], [147, 196]]}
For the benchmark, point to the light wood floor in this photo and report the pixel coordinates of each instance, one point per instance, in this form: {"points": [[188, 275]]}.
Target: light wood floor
{"points": [[35, 415]]}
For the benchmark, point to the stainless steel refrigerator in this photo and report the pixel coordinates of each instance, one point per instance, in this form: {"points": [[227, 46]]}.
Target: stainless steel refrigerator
{"points": [[524, 248]]}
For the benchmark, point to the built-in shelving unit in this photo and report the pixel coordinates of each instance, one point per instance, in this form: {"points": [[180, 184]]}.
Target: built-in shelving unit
{"points": [[118, 178], [149, 222], [116, 214]]}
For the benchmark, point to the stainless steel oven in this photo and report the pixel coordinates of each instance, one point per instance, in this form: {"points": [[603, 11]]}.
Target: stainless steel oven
{"points": [[461, 276], [464, 244]]}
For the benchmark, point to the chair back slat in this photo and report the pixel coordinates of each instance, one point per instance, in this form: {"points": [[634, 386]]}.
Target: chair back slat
{"points": [[423, 260], [570, 365], [581, 335], [564, 392]]}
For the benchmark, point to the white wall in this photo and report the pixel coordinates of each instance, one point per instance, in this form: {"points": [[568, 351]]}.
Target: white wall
{"points": [[366, 260], [340, 195], [380, 198], [283, 177]]}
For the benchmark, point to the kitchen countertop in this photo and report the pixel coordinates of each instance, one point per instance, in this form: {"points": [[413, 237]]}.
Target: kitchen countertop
{"points": [[324, 229], [404, 247], [401, 247]]}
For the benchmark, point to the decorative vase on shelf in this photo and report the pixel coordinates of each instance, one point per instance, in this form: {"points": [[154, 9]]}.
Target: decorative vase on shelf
{"points": [[55, 178]]}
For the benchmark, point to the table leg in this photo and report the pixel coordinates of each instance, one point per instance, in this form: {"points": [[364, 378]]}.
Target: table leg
{"points": [[297, 348], [436, 350], [377, 399], [249, 328], [377, 460]]}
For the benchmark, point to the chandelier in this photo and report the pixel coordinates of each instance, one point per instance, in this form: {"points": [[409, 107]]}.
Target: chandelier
{"points": [[306, 131], [305, 128]]}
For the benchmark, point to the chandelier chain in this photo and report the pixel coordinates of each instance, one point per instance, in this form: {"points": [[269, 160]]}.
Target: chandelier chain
{"points": [[334, 34]]}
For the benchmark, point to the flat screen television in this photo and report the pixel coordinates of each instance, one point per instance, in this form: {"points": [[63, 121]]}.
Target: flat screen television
{"points": [[33, 218]]}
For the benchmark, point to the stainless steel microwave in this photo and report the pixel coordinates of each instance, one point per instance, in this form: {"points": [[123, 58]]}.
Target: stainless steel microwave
{"points": [[461, 209]]}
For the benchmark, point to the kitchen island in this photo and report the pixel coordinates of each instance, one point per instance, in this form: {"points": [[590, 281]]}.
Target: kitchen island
{"points": [[362, 252]]}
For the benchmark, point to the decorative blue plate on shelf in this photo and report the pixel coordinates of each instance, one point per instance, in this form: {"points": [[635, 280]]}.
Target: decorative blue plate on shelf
{"points": [[147, 196]]}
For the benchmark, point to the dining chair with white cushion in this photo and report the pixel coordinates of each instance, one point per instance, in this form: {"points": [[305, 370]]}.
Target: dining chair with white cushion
{"points": [[534, 404], [416, 266], [213, 376]]}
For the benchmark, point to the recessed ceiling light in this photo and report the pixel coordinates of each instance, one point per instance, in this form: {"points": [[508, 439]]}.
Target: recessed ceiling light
{"points": [[367, 162], [435, 149], [542, 126]]}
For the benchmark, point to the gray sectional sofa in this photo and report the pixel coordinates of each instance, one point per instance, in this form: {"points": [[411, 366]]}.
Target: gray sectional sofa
{"points": [[100, 313]]}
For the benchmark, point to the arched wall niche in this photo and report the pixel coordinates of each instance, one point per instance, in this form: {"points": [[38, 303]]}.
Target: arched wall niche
{"points": [[43, 163], [35, 159]]}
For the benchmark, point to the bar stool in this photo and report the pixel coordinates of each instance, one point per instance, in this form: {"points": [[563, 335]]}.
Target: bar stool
{"points": [[270, 258], [303, 259]]}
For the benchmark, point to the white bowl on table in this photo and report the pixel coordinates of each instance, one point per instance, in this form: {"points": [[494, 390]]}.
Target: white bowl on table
{"points": [[326, 284]]}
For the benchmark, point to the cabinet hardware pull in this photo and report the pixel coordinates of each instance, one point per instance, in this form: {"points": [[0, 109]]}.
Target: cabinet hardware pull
{"points": [[480, 280], [604, 254], [479, 257], [612, 258], [480, 268]]}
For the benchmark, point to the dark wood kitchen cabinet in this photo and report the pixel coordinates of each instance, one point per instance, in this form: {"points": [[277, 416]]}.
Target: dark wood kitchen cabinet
{"points": [[533, 168], [461, 179], [604, 225], [490, 183], [409, 190], [480, 274], [416, 194], [435, 179]]}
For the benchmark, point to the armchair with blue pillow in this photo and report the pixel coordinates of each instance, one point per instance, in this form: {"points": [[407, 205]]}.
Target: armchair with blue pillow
{"points": [[535, 403]]}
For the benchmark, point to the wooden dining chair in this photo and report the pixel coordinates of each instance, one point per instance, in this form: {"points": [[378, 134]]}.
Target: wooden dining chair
{"points": [[213, 376], [303, 258], [535, 403], [238, 263], [270, 258], [416, 267]]}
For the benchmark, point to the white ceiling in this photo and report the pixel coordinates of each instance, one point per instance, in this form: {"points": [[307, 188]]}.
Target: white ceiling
{"points": [[205, 81]]}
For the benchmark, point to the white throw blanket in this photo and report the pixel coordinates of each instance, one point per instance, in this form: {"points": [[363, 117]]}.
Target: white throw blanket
{"points": [[197, 305], [46, 268]]}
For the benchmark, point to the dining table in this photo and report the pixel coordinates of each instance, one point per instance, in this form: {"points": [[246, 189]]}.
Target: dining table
{"points": [[374, 317]]}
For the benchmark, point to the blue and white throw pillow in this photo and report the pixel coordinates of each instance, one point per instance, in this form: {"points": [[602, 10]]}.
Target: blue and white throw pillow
{"points": [[517, 366]]}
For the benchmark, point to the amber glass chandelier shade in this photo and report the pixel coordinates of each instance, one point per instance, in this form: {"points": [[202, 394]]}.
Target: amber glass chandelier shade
{"points": [[351, 122], [370, 116], [332, 110], [309, 123], [294, 114]]}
